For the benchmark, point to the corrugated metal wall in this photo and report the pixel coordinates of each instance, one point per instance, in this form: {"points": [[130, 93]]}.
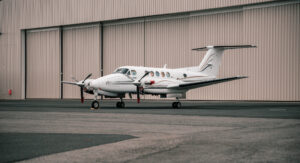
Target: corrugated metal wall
{"points": [[81, 56], [274, 66], [41, 13], [10, 50], [43, 64], [273, 74], [123, 45], [220, 29], [260, 25]]}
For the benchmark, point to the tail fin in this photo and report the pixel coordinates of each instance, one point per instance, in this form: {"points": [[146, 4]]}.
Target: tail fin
{"points": [[213, 57]]}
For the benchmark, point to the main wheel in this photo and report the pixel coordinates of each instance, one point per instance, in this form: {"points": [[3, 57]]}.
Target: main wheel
{"points": [[120, 105], [174, 105], [95, 104], [178, 105]]}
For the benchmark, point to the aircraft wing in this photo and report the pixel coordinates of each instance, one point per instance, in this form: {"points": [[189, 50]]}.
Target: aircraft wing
{"points": [[191, 85]]}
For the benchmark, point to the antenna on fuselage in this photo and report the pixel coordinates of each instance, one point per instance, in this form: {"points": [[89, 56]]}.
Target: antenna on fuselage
{"points": [[165, 66]]}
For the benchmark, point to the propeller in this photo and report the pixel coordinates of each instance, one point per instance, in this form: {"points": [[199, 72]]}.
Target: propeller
{"points": [[138, 84], [81, 85]]}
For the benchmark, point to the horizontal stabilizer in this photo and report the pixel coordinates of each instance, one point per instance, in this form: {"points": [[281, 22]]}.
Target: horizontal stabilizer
{"points": [[224, 47]]}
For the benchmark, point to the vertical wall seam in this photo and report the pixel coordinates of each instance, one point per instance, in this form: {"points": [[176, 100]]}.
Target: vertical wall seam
{"points": [[61, 61]]}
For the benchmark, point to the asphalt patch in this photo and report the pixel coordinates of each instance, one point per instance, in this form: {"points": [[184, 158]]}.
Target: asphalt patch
{"points": [[22, 146]]}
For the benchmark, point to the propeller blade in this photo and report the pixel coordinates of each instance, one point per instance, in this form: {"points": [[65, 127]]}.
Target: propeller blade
{"points": [[81, 95], [74, 79], [89, 75], [138, 94], [137, 82], [146, 73]]}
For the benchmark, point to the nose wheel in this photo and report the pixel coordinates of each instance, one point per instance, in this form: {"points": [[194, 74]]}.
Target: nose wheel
{"points": [[95, 104], [176, 105]]}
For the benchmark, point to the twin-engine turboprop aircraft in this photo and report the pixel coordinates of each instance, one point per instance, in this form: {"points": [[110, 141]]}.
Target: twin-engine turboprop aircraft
{"points": [[168, 83]]}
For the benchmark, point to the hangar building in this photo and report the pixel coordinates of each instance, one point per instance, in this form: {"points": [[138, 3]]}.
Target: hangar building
{"points": [[45, 41]]}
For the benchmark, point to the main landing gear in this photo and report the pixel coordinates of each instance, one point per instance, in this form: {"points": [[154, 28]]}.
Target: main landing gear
{"points": [[176, 105], [120, 104]]}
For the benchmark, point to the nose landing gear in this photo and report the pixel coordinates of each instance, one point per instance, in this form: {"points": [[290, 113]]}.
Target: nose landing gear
{"points": [[95, 104]]}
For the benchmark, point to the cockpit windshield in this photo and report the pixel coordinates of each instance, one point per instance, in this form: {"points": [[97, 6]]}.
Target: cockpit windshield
{"points": [[121, 70]]}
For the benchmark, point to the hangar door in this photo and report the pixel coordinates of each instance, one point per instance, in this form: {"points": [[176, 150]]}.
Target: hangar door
{"points": [[123, 44], [43, 64], [81, 56]]}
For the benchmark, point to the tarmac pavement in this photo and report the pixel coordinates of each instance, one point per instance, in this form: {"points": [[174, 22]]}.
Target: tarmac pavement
{"points": [[202, 131]]}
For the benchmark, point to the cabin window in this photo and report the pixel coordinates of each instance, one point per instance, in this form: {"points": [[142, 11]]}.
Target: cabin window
{"points": [[162, 74], [168, 74], [133, 72], [151, 73], [184, 75], [157, 73]]}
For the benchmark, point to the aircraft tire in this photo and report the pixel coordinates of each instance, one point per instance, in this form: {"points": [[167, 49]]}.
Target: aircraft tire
{"points": [[176, 105], [95, 104], [120, 105]]}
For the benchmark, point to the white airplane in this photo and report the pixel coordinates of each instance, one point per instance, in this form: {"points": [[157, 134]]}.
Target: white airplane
{"points": [[168, 83]]}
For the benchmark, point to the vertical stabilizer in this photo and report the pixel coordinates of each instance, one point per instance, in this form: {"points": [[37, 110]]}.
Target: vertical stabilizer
{"points": [[213, 57]]}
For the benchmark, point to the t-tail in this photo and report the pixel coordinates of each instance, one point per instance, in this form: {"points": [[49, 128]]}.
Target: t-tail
{"points": [[213, 57]]}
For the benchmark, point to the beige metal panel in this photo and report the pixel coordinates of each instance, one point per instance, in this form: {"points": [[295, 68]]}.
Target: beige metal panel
{"points": [[274, 66], [43, 64], [219, 29], [123, 45], [10, 63], [81, 56], [41, 13], [167, 42]]}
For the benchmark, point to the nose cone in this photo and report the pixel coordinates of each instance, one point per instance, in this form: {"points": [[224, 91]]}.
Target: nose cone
{"points": [[98, 83]]}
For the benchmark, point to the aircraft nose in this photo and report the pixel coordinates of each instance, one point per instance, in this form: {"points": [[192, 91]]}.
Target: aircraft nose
{"points": [[93, 84], [97, 83]]}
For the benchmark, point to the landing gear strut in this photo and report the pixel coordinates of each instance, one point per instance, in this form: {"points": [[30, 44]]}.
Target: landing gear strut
{"points": [[95, 103], [176, 105], [120, 104]]}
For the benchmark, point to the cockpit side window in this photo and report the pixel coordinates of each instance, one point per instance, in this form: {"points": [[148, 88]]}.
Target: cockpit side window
{"points": [[133, 72], [128, 73], [121, 70]]}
